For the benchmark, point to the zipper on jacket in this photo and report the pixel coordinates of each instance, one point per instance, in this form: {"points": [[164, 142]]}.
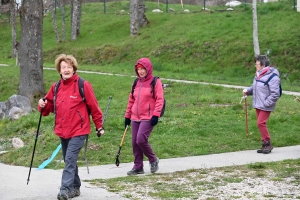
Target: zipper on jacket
{"points": [[149, 110], [138, 99], [80, 118]]}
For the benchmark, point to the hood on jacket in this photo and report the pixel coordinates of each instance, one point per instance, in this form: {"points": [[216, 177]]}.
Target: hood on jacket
{"points": [[272, 70], [147, 64]]}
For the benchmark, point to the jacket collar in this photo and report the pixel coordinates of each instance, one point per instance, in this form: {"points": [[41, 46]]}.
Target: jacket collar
{"points": [[70, 80]]}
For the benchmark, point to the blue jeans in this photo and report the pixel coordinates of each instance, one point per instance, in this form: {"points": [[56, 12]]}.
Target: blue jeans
{"points": [[71, 148], [140, 133]]}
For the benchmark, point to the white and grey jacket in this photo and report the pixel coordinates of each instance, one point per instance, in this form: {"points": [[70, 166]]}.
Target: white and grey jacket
{"points": [[264, 95]]}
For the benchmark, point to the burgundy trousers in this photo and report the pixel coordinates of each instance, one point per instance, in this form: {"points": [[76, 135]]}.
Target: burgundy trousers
{"points": [[140, 134], [262, 118]]}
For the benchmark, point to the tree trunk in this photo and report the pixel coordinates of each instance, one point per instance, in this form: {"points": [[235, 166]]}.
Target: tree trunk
{"points": [[75, 13], [255, 30], [31, 82], [71, 13], [13, 29], [63, 14], [79, 17], [54, 21], [134, 20], [143, 21]]}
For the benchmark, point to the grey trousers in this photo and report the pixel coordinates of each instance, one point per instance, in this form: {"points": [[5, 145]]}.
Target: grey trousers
{"points": [[71, 148]]}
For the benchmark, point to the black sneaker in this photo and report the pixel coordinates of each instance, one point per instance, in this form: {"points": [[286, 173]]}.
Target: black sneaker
{"points": [[76, 192], [154, 166], [65, 194], [135, 171]]}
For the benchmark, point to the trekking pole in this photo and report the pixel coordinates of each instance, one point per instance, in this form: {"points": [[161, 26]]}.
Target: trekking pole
{"points": [[246, 112], [119, 152], [98, 134], [296, 98], [36, 137]]}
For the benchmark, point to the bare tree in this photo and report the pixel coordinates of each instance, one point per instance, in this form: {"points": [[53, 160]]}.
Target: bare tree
{"points": [[134, 22], [71, 12], [63, 14], [31, 82], [75, 21], [143, 21], [12, 8], [79, 17], [53, 8], [137, 16], [255, 29]]}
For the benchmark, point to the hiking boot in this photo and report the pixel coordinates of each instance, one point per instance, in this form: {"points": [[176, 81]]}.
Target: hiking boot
{"points": [[76, 192], [135, 171], [268, 147], [65, 194], [262, 147], [154, 166]]}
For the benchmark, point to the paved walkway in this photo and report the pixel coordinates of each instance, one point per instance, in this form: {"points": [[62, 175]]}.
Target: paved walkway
{"points": [[44, 184]]}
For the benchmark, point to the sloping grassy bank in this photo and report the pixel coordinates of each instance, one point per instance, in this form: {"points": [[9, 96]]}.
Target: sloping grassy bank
{"points": [[201, 45]]}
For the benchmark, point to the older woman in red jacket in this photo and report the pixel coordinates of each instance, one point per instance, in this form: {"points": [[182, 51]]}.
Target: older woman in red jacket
{"points": [[72, 121], [143, 110]]}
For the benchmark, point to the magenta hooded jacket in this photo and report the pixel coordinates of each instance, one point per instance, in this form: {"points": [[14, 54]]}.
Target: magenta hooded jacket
{"points": [[142, 106]]}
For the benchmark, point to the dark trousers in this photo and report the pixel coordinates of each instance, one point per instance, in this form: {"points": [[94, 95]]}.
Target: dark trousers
{"points": [[71, 148], [140, 133]]}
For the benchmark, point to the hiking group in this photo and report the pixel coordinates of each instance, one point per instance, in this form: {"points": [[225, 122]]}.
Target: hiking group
{"points": [[73, 101], [72, 105]]}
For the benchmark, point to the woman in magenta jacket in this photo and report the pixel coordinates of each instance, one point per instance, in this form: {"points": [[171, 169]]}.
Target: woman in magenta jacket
{"points": [[72, 121], [143, 110]]}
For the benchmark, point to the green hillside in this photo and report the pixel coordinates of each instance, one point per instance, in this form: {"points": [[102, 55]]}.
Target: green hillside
{"points": [[200, 45]]}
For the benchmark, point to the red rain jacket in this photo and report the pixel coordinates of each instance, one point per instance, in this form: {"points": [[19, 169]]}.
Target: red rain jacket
{"points": [[72, 117]]}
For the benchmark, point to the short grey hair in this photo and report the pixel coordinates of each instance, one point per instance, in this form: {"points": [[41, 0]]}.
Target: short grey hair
{"points": [[263, 59]]}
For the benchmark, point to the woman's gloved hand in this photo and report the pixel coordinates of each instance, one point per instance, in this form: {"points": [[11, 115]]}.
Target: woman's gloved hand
{"points": [[127, 122], [154, 120]]}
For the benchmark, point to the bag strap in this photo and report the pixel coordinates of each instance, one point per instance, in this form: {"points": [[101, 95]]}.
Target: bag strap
{"points": [[81, 88], [267, 82], [153, 83], [133, 86], [270, 78], [55, 94], [81, 91]]}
